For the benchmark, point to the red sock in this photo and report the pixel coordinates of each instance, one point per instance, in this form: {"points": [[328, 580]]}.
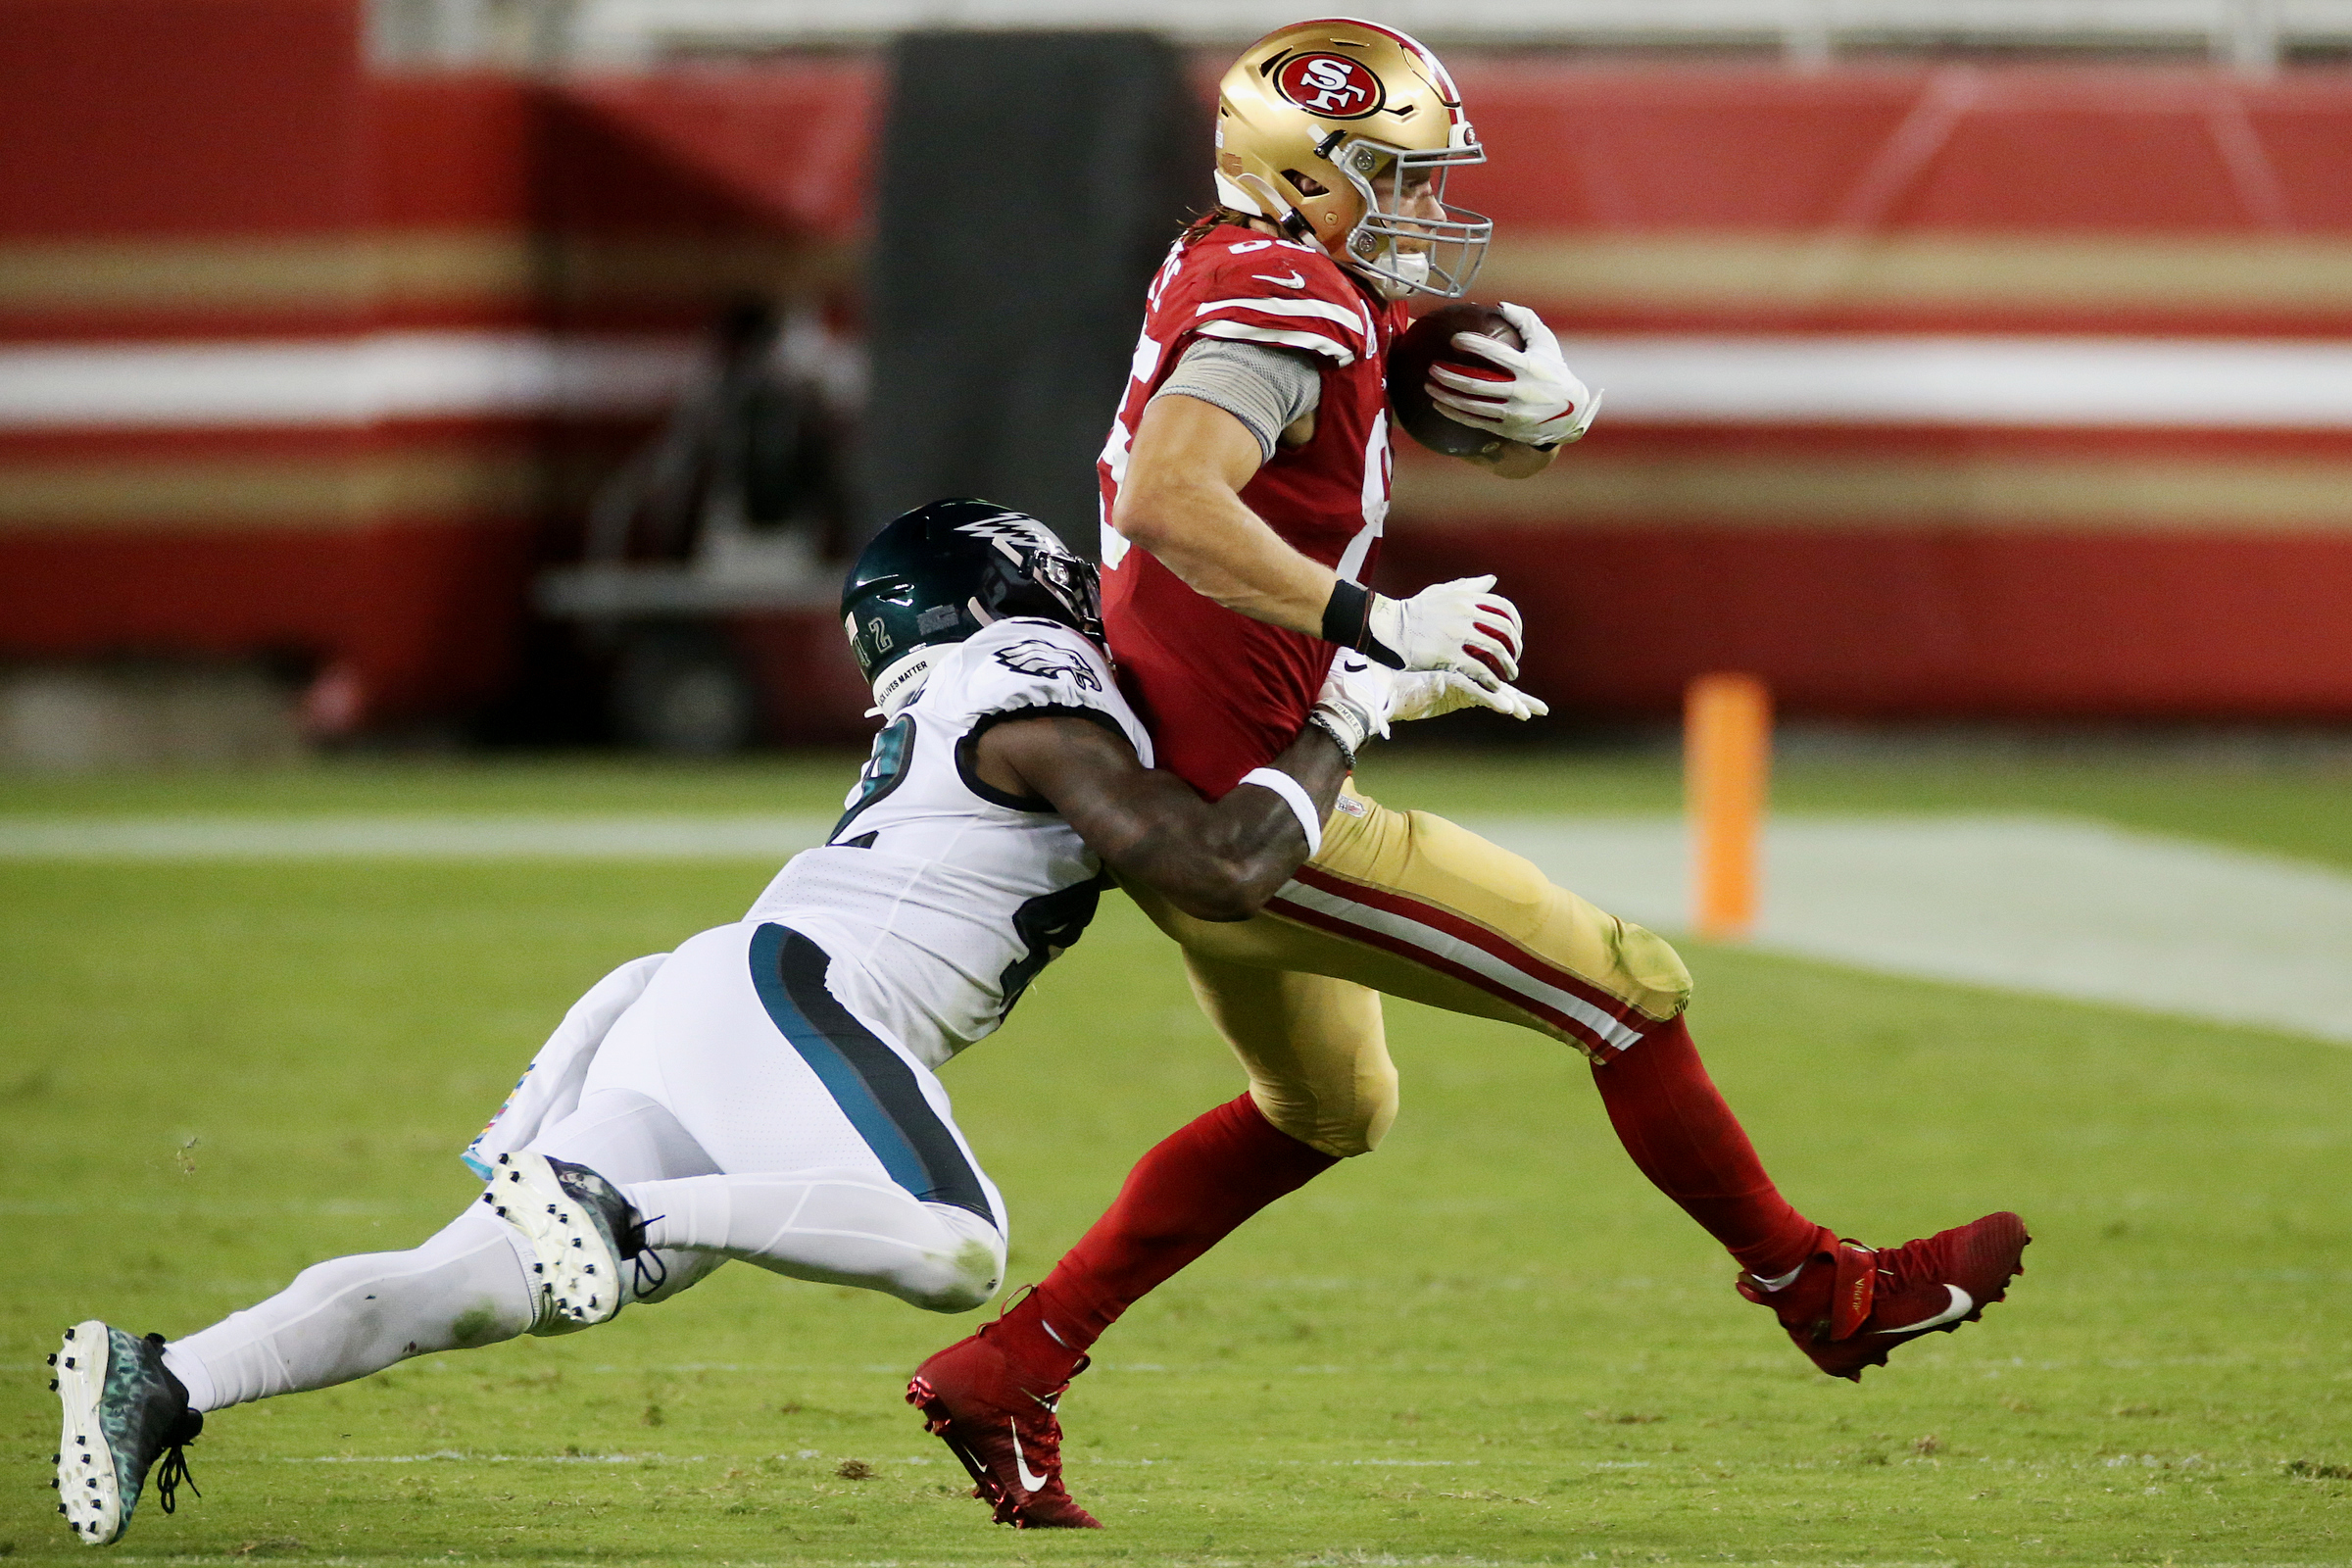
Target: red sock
{"points": [[1686, 1140], [1193, 1188]]}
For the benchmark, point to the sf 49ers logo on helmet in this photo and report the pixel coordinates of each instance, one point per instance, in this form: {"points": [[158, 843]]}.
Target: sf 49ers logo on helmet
{"points": [[1331, 86]]}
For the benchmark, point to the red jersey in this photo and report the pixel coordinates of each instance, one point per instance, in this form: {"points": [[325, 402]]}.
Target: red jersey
{"points": [[1221, 692]]}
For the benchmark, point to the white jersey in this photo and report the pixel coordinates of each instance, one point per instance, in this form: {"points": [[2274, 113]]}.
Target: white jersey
{"points": [[936, 897]]}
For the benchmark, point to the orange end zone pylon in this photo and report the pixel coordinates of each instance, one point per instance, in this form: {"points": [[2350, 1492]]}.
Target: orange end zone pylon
{"points": [[1727, 771]]}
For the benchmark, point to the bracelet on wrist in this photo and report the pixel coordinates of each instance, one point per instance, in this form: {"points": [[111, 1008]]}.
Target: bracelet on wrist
{"points": [[1332, 723]]}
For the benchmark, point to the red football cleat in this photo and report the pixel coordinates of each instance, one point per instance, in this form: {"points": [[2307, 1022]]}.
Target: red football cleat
{"points": [[1003, 1430], [1850, 1304]]}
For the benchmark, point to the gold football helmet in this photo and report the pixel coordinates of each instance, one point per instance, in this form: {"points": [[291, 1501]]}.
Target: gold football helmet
{"points": [[1342, 131]]}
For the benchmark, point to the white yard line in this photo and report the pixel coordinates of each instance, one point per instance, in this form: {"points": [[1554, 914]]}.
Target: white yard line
{"points": [[2036, 905]]}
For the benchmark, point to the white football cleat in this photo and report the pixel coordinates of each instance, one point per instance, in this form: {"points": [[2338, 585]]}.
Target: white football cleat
{"points": [[581, 1231], [122, 1411]]}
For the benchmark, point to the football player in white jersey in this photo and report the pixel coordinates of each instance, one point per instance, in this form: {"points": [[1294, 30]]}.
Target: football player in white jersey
{"points": [[767, 1092]]}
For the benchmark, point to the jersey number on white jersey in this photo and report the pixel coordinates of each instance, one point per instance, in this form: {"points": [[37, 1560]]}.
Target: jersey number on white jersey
{"points": [[884, 766]]}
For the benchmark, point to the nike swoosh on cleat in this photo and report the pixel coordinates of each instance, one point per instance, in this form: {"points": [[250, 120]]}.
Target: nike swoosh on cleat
{"points": [[1962, 1305], [1030, 1479], [1295, 279]]}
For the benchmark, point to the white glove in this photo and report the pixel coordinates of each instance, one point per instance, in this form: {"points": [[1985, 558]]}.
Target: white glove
{"points": [[1541, 405], [1427, 693], [1458, 625], [1360, 700]]}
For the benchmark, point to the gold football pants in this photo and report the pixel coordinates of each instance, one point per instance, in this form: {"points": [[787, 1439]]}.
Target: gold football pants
{"points": [[1408, 904]]}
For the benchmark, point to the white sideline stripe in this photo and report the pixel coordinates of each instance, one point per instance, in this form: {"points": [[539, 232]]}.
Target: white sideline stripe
{"points": [[1316, 342], [2043, 906], [2182, 383], [1832, 378], [338, 381], [1445, 945], [412, 838]]}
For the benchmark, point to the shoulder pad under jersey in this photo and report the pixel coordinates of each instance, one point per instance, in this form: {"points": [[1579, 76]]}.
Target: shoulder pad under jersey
{"points": [[1257, 289], [1026, 663]]}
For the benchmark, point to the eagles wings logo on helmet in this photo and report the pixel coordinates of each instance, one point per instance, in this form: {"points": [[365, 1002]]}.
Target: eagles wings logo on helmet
{"points": [[1342, 131], [1016, 526], [939, 574], [1031, 657]]}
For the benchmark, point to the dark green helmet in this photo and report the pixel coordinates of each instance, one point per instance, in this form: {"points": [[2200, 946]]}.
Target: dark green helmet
{"points": [[939, 574]]}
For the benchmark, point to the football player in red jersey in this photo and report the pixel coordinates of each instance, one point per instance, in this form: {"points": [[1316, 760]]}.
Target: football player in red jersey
{"points": [[1245, 487]]}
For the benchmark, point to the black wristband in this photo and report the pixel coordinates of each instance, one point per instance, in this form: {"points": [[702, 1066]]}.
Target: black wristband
{"points": [[1348, 615]]}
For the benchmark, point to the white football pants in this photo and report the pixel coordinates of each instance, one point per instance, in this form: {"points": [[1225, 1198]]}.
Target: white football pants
{"points": [[742, 1111]]}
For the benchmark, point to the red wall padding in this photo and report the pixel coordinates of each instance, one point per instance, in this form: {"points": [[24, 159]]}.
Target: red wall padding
{"points": [[2020, 149], [630, 204], [1891, 622], [201, 117], [426, 611]]}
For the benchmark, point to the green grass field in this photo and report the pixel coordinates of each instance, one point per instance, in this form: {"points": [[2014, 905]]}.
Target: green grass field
{"points": [[1488, 1342]]}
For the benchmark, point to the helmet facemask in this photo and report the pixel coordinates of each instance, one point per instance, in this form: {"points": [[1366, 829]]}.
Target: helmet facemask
{"points": [[1044, 582], [1410, 240]]}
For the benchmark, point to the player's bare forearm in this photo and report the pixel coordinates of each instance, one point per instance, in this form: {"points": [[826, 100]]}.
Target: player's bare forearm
{"points": [[1516, 459], [1180, 500], [1217, 861]]}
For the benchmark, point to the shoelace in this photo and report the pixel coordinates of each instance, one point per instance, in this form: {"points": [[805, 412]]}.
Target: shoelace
{"points": [[648, 1273], [1045, 1454], [1912, 1263], [172, 1472], [1041, 1443]]}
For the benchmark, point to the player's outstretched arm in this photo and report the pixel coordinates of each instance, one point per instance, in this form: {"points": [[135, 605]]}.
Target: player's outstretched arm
{"points": [[1215, 862]]}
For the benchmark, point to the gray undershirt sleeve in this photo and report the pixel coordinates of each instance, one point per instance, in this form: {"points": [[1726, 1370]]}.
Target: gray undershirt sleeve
{"points": [[1266, 388]]}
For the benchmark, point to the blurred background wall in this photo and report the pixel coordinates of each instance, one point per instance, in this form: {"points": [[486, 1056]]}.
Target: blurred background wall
{"points": [[1962, 359]]}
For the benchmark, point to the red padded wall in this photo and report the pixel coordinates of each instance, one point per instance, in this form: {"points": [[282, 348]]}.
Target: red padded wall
{"points": [[216, 173]]}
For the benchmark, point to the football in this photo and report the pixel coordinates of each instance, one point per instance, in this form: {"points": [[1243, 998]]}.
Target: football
{"points": [[1430, 341]]}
